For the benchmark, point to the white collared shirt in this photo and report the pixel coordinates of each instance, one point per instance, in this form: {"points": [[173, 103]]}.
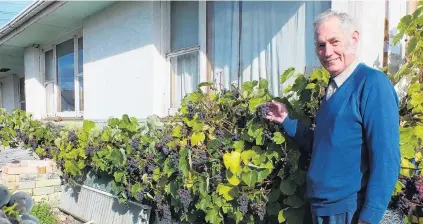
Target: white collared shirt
{"points": [[340, 79]]}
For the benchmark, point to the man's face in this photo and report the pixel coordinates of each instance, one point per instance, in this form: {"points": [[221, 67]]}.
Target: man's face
{"points": [[334, 47]]}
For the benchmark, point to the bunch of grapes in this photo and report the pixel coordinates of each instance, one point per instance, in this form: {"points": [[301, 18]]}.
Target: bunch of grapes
{"points": [[412, 194], [191, 110], [236, 137], [174, 157], [258, 209], [243, 204], [135, 144], [241, 120], [133, 166], [263, 110], [199, 157], [219, 134], [235, 93], [150, 167], [163, 148], [163, 212], [73, 138], [33, 143], [268, 134], [90, 150], [200, 115], [185, 197]]}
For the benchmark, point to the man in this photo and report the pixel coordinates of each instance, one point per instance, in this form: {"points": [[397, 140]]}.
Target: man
{"points": [[355, 144]]}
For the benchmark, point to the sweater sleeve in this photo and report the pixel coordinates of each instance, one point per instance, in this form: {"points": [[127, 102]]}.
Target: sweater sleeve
{"points": [[380, 113], [301, 133]]}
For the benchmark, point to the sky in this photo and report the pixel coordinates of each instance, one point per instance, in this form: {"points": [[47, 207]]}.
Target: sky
{"points": [[9, 9]]}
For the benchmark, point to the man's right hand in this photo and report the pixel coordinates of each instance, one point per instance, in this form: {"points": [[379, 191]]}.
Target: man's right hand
{"points": [[277, 112]]}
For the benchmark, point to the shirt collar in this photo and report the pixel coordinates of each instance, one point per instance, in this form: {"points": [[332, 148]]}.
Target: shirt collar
{"points": [[340, 79]]}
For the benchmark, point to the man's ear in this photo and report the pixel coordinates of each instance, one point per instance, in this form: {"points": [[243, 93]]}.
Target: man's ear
{"points": [[355, 37]]}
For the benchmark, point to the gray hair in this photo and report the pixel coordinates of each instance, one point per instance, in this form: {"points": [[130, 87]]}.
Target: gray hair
{"points": [[347, 22]]}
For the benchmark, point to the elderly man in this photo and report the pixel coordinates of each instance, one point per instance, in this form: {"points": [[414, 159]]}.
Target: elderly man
{"points": [[355, 144]]}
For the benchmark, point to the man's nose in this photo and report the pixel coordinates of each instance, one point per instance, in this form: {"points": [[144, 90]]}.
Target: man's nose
{"points": [[328, 50]]}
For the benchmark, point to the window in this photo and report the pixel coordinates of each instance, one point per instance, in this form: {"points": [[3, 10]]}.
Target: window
{"points": [[22, 103], [63, 78], [184, 50], [241, 41]]}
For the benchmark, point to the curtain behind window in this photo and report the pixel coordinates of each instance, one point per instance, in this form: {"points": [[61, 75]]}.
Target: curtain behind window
{"points": [[252, 40]]}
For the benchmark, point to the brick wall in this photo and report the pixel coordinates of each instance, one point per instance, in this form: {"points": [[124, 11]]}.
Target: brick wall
{"points": [[37, 177]]}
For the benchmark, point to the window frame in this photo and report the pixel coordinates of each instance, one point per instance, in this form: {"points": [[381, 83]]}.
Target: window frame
{"points": [[201, 48], [51, 45]]}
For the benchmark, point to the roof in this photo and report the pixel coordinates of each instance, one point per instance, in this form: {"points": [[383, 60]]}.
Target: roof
{"points": [[41, 22]]}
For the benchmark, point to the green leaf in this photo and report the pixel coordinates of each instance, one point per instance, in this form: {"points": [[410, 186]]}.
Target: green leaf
{"points": [[273, 208], [288, 187], [294, 215], [294, 201], [407, 151], [281, 217], [135, 189], [205, 84], [288, 73], [254, 103], [311, 86], [274, 195], [213, 216], [197, 138], [418, 131], [239, 145], [232, 161], [278, 138], [228, 192], [411, 45], [118, 176], [250, 177], [176, 132], [88, 125], [263, 83], [117, 157]]}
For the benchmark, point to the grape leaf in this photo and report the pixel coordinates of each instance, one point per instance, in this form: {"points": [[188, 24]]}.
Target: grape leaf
{"points": [[232, 161], [197, 138], [281, 217], [250, 177], [278, 138], [228, 192], [294, 201], [288, 187]]}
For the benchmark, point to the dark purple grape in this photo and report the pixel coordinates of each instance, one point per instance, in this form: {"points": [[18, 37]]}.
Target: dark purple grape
{"points": [[243, 204], [90, 150], [259, 210], [191, 110], [263, 110], [219, 134], [268, 134], [133, 166], [24, 200], [135, 144], [236, 137], [72, 137], [199, 157], [185, 197]]}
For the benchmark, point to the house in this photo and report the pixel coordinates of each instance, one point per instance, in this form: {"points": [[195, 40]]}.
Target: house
{"points": [[101, 59]]}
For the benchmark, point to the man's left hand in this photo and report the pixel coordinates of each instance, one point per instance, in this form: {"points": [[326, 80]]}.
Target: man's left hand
{"points": [[362, 222]]}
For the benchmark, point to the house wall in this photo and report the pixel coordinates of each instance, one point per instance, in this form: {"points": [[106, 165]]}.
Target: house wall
{"points": [[9, 93], [122, 61]]}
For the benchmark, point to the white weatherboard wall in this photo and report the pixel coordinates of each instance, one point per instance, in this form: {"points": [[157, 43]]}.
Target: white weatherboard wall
{"points": [[370, 19], [119, 61], [9, 97]]}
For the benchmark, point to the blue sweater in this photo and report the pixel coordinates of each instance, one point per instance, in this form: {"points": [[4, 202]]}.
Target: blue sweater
{"points": [[355, 147]]}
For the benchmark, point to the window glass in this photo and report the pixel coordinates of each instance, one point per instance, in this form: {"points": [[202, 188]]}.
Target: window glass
{"points": [[184, 24], [65, 75]]}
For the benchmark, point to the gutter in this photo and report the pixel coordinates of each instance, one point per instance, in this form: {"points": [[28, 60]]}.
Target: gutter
{"points": [[24, 17]]}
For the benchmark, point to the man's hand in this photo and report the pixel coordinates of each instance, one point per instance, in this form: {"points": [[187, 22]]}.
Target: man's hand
{"points": [[277, 112], [362, 222]]}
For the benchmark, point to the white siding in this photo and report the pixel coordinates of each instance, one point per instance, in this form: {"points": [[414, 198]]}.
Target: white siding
{"points": [[34, 87], [122, 61]]}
